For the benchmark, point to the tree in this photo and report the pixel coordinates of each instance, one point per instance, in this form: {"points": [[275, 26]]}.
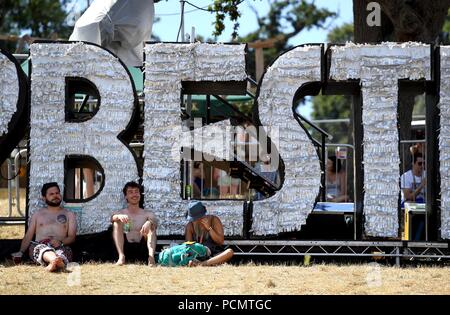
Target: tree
{"points": [[284, 20], [445, 35], [38, 18], [334, 106], [401, 20], [41, 17]]}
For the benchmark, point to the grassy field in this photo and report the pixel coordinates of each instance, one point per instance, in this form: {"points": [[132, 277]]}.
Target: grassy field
{"points": [[94, 278], [11, 231], [4, 203]]}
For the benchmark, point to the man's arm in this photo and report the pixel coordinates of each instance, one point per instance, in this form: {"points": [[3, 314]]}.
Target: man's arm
{"points": [[151, 217], [72, 231], [150, 224], [29, 235], [411, 194], [406, 185], [119, 217]]}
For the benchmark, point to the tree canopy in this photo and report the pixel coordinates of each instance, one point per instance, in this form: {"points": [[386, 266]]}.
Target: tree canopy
{"points": [[42, 18], [284, 20]]}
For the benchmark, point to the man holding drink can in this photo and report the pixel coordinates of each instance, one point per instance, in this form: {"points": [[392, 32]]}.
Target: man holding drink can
{"points": [[134, 229]]}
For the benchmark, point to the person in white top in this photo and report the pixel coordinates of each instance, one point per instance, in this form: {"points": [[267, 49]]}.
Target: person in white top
{"points": [[413, 182], [122, 26]]}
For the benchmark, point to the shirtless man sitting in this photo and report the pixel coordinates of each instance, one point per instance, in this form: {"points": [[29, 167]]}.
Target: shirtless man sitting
{"points": [[134, 229], [55, 228]]}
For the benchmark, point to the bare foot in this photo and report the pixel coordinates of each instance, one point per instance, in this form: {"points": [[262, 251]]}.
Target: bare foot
{"points": [[55, 264], [151, 261], [120, 261], [194, 263]]}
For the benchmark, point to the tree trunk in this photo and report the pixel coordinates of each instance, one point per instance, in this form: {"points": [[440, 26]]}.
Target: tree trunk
{"points": [[416, 20], [365, 33], [401, 20]]}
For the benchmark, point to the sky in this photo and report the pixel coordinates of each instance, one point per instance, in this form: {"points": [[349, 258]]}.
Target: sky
{"points": [[169, 14]]}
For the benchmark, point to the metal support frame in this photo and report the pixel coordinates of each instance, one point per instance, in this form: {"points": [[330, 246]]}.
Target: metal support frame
{"points": [[432, 133], [351, 249], [358, 178]]}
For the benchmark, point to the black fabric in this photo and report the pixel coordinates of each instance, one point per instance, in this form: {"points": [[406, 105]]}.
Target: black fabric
{"points": [[216, 249], [135, 251]]}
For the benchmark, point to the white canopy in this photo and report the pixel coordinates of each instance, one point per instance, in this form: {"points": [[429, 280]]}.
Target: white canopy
{"points": [[121, 26]]}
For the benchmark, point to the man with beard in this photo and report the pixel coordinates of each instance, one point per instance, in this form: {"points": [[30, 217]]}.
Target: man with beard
{"points": [[134, 229], [54, 227]]}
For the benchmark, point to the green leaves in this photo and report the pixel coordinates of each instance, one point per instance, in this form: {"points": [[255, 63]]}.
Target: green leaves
{"points": [[224, 8], [42, 18]]}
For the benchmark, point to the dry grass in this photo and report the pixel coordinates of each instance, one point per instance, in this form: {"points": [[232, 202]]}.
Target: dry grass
{"points": [[245, 279], [12, 232], [4, 203], [228, 279]]}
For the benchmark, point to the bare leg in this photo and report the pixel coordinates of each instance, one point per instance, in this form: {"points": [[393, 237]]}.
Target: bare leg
{"points": [[222, 258], [54, 262], [151, 245], [234, 189], [224, 191], [119, 241]]}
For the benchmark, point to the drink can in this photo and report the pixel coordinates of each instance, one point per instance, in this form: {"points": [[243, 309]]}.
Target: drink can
{"points": [[188, 191], [127, 226]]}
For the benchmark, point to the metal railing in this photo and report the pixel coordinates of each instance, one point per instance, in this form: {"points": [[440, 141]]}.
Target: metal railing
{"points": [[13, 169]]}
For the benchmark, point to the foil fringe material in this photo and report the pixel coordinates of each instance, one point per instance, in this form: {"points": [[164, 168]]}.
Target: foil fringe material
{"points": [[379, 67]]}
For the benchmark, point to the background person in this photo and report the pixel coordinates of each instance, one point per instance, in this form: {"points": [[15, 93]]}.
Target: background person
{"points": [[228, 186], [413, 182], [335, 181]]}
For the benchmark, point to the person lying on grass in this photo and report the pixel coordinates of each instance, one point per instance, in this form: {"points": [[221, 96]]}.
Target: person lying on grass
{"points": [[54, 227]]}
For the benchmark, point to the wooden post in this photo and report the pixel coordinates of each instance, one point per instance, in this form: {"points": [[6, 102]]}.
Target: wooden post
{"points": [[259, 54]]}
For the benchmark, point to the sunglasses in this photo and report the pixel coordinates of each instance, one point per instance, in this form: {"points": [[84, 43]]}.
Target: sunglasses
{"points": [[420, 163]]}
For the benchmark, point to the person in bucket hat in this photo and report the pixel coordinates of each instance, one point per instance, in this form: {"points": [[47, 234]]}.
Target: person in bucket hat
{"points": [[207, 230]]}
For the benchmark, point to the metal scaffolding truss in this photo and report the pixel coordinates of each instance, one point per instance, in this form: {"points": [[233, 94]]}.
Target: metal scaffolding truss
{"points": [[394, 249]]}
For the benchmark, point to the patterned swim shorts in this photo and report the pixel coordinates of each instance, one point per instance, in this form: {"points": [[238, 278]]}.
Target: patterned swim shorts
{"points": [[38, 249]]}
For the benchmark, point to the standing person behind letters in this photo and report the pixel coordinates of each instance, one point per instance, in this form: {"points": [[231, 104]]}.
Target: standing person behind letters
{"points": [[413, 182]]}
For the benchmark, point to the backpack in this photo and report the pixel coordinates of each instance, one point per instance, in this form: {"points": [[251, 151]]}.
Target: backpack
{"points": [[182, 254]]}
